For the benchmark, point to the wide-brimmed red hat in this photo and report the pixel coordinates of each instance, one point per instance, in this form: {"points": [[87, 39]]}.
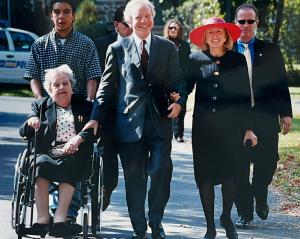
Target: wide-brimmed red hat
{"points": [[197, 36]]}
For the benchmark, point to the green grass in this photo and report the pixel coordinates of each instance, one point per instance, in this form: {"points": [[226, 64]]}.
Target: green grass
{"points": [[15, 90], [287, 177]]}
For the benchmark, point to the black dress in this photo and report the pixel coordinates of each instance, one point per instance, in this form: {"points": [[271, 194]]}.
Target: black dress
{"points": [[222, 113], [67, 169]]}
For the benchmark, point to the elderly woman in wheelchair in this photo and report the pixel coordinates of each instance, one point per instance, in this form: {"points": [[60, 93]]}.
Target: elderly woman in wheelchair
{"points": [[61, 146]]}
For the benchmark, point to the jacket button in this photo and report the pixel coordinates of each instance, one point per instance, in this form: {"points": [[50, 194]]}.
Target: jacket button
{"points": [[216, 73], [215, 85], [214, 98], [213, 110]]}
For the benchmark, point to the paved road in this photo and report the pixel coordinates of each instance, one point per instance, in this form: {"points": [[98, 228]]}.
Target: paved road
{"points": [[183, 216]]}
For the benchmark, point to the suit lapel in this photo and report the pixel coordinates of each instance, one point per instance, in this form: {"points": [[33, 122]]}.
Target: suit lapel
{"points": [[258, 53], [130, 47], [154, 49], [50, 113]]}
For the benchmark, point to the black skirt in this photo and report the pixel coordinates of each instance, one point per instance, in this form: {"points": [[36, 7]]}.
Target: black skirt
{"points": [[217, 145], [65, 169]]}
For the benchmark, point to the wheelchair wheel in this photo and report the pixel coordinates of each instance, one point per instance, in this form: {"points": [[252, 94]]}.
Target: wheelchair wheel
{"points": [[18, 185], [96, 194], [85, 226]]}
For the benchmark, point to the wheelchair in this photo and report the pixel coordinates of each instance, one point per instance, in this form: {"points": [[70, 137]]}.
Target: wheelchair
{"points": [[91, 189]]}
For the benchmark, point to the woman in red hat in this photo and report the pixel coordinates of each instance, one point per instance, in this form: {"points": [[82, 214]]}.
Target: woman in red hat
{"points": [[221, 119]]}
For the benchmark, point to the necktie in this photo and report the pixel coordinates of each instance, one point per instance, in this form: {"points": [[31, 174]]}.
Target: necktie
{"points": [[249, 65], [144, 58]]}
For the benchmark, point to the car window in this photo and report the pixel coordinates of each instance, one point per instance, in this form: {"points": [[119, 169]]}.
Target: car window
{"points": [[22, 41], [3, 41]]}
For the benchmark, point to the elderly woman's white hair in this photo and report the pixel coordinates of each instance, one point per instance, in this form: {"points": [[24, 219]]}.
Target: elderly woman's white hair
{"points": [[133, 5], [51, 73]]}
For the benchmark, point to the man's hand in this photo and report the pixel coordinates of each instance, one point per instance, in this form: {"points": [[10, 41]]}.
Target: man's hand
{"points": [[175, 110], [250, 135], [91, 124], [286, 124], [34, 122]]}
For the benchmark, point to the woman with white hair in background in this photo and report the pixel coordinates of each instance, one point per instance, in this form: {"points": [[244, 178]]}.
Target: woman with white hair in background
{"points": [[62, 148]]}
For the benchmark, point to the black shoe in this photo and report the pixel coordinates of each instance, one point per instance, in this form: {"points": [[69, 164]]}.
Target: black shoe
{"points": [[262, 211], [59, 229], [139, 235], [243, 223], [229, 227], [39, 229], [210, 234], [180, 139], [106, 199], [158, 231], [73, 227]]}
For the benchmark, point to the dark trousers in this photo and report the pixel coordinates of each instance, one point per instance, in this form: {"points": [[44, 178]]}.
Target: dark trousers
{"points": [[178, 124], [148, 157], [264, 157]]}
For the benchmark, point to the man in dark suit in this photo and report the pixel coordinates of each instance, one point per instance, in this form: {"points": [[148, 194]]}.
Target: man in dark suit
{"points": [[110, 158], [140, 71], [272, 112]]}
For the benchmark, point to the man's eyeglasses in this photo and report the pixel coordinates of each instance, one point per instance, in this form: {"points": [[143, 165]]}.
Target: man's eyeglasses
{"points": [[125, 24], [172, 28], [242, 22]]}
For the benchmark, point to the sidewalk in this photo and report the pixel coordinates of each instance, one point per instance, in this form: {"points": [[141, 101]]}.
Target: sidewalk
{"points": [[184, 217]]}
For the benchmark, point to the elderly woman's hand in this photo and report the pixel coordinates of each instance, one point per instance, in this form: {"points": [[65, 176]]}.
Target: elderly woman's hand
{"points": [[250, 135], [72, 145], [34, 122]]}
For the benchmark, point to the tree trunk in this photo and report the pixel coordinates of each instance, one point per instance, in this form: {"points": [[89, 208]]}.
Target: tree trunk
{"points": [[278, 20]]}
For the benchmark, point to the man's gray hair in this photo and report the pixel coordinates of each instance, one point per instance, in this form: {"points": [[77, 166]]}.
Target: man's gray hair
{"points": [[133, 5], [51, 73]]}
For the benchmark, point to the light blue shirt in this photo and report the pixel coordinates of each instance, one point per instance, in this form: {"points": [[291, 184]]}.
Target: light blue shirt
{"points": [[241, 48]]}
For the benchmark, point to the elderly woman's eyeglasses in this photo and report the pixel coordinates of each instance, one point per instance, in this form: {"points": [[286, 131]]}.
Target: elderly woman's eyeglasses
{"points": [[242, 22], [173, 28]]}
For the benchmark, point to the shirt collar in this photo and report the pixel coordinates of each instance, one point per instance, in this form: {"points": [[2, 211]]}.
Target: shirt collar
{"points": [[56, 36], [251, 42], [138, 41]]}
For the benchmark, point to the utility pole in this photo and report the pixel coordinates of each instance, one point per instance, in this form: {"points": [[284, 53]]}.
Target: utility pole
{"points": [[8, 13]]}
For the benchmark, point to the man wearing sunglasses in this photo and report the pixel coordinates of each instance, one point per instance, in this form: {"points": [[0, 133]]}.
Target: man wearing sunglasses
{"points": [[272, 112], [110, 158]]}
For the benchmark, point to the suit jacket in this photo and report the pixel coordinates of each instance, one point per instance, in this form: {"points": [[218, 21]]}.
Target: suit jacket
{"points": [[123, 74], [270, 87], [46, 108], [184, 51], [102, 44]]}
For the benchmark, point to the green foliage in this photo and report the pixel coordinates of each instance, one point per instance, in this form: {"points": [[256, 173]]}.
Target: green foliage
{"points": [[86, 20], [192, 12]]}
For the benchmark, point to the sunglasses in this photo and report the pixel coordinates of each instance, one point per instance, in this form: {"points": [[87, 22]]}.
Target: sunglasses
{"points": [[242, 22], [172, 28]]}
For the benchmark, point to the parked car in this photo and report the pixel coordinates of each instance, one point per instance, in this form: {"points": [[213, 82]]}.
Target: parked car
{"points": [[15, 47]]}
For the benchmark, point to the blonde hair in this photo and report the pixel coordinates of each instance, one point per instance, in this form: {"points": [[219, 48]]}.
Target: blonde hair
{"points": [[51, 73], [228, 44], [133, 5]]}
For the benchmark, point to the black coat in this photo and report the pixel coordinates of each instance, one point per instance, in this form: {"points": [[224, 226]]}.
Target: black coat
{"points": [[270, 88], [222, 114], [46, 109]]}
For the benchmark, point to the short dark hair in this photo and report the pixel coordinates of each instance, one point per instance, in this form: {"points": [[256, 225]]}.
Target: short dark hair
{"points": [[118, 16], [72, 3], [246, 6]]}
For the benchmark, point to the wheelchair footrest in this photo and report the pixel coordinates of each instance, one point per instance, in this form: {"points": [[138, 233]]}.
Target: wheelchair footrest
{"points": [[22, 230]]}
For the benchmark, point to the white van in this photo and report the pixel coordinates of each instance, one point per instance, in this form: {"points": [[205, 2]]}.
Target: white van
{"points": [[15, 45]]}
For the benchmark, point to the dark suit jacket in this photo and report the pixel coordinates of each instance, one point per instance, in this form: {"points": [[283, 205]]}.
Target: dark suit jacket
{"points": [[270, 88], [184, 51], [123, 74], [102, 44], [47, 134]]}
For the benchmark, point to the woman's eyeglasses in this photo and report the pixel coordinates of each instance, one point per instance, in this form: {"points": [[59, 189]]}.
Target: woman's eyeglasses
{"points": [[172, 28], [242, 22]]}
